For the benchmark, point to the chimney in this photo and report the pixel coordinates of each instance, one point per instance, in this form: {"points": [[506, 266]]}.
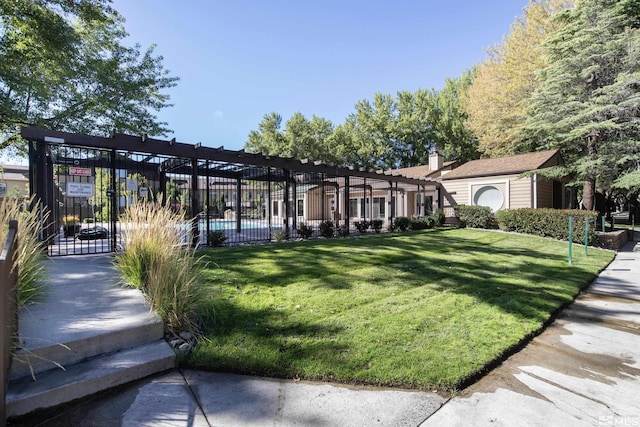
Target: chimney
{"points": [[435, 161]]}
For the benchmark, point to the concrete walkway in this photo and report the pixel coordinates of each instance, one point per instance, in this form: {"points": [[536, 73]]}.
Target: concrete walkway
{"points": [[583, 370]]}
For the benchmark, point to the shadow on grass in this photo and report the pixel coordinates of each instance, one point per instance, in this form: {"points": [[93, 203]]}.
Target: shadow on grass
{"points": [[519, 280], [266, 342], [528, 283]]}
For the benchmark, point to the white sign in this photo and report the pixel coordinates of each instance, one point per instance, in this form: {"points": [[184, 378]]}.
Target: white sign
{"points": [[80, 171], [79, 189], [143, 191], [132, 185]]}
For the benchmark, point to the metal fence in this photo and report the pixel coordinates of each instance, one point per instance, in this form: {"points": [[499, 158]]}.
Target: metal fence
{"points": [[86, 182], [9, 290]]}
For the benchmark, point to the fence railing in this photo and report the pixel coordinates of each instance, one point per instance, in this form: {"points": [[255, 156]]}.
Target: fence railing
{"points": [[9, 307]]}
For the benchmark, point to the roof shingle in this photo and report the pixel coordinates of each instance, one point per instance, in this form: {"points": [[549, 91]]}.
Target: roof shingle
{"points": [[504, 165]]}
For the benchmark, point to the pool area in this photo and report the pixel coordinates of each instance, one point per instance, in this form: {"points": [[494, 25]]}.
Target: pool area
{"points": [[229, 224]]}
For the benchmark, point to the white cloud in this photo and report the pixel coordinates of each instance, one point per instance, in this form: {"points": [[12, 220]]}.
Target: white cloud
{"points": [[218, 115]]}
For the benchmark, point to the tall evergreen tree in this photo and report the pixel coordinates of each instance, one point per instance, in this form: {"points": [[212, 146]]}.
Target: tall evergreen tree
{"points": [[588, 102]]}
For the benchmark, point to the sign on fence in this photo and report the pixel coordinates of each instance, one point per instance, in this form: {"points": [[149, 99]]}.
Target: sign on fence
{"points": [[80, 171], [79, 189]]}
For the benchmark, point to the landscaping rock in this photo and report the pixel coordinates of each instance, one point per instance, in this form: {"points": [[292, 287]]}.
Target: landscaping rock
{"points": [[187, 336]]}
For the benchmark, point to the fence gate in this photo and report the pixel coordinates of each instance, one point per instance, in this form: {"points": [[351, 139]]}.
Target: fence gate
{"points": [[76, 184]]}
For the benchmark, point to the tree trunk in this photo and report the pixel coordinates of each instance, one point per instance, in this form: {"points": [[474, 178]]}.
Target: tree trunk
{"points": [[588, 193]]}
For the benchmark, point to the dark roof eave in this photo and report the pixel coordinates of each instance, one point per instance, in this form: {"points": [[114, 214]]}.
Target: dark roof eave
{"points": [[481, 175]]}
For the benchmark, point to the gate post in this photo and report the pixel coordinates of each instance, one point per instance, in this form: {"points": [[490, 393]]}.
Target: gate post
{"points": [[40, 183], [115, 201]]}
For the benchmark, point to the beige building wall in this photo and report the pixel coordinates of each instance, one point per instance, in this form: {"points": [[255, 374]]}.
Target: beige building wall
{"points": [[517, 191], [14, 187]]}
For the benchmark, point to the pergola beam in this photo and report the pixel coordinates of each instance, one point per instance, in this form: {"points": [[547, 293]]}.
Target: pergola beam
{"points": [[131, 143]]}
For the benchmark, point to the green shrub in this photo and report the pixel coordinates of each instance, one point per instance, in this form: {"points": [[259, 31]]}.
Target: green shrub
{"points": [[476, 216], [421, 223], [342, 231], [305, 231], [216, 238], [280, 235], [438, 218], [156, 261], [376, 224], [400, 223], [362, 226], [552, 223], [31, 251], [326, 228]]}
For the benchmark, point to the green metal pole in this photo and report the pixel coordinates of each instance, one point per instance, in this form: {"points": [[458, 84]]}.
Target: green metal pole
{"points": [[586, 236], [603, 230], [570, 240]]}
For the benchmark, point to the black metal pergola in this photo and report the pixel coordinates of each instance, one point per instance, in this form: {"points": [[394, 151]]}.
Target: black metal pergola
{"points": [[258, 187]]}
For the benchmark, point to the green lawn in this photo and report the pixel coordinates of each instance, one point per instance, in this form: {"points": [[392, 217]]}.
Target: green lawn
{"points": [[425, 310]]}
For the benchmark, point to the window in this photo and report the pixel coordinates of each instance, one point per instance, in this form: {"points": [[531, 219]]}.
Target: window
{"points": [[274, 210], [353, 208], [363, 207], [300, 207], [379, 207], [489, 196]]}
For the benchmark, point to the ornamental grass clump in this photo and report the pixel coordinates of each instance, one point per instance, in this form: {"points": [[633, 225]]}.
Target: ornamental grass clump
{"points": [[31, 252], [158, 261]]}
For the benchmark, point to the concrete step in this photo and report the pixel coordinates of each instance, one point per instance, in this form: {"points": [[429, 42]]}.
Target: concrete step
{"points": [[56, 386], [43, 355]]}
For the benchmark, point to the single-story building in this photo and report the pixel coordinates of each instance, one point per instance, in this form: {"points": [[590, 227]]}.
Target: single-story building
{"points": [[505, 183], [14, 181]]}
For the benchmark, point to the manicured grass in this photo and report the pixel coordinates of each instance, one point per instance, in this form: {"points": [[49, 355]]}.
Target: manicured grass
{"points": [[424, 310]]}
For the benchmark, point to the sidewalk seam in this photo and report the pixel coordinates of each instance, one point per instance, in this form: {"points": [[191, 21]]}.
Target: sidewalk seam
{"points": [[195, 397]]}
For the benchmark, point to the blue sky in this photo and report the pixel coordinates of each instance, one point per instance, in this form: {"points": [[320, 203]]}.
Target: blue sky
{"points": [[238, 60]]}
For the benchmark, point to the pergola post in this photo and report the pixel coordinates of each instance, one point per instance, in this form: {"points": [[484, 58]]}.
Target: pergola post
{"points": [[163, 186], [324, 200], [208, 202], [270, 225], [195, 214], [347, 204], [294, 203], [285, 224], [238, 205], [389, 203]]}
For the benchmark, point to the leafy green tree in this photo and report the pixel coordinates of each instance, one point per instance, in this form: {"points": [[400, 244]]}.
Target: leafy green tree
{"points": [[413, 130], [63, 65], [588, 102], [388, 132], [301, 138], [454, 139], [371, 130], [269, 138]]}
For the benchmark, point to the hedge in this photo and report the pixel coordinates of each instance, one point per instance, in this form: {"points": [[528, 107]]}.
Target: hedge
{"points": [[548, 223], [475, 216]]}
